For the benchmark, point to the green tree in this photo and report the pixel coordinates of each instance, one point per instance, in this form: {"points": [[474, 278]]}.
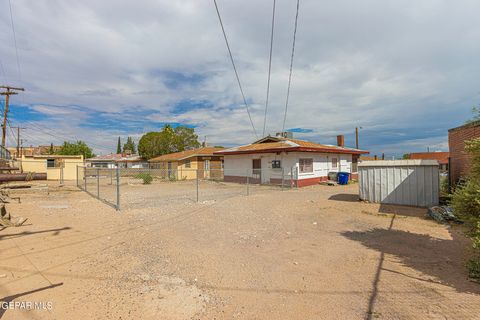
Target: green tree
{"points": [[119, 146], [168, 140], [129, 146], [476, 115], [75, 149], [406, 156]]}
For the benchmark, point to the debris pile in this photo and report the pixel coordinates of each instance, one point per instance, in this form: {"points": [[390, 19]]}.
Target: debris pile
{"points": [[6, 220], [442, 214]]}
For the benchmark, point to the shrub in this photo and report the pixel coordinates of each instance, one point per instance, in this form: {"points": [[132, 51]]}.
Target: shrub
{"points": [[466, 204], [146, 177]]}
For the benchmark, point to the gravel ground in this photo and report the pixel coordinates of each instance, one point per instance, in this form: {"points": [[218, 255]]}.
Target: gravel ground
{"points": [[313, 253]]}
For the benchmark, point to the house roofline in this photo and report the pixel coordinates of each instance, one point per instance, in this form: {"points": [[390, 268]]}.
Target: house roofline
{"points": [[183, 158], [295, 149], [466, 125]]}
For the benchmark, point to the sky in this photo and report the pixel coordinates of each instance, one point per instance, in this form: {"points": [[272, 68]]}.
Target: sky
{"points": [[402, 71]]}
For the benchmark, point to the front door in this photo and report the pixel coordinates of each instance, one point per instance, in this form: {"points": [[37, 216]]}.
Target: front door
{"points": [[257, 169]]}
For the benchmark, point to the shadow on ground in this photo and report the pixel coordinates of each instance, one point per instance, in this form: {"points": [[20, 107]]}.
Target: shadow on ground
{"points": [[346, 197], [28, 233], [439, 259]]}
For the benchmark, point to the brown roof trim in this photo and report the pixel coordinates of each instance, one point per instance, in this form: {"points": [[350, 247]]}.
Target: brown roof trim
{"points": [[295, 149]]}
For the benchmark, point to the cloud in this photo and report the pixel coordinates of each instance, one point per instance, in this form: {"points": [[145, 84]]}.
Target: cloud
{"points": [[404, 71]]}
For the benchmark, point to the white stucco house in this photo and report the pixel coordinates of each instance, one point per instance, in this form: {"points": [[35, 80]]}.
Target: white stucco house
{"points": [[120, 160], [276, 160]]}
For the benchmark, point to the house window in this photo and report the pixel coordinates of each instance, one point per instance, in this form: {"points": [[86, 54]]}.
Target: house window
{"points": [[206, 165], [306, 165], [188, 164], [223, 164], [50, 163], [276, 164], [334, 163]]}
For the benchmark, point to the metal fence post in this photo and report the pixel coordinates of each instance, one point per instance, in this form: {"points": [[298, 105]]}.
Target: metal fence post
{"points": [[248, 183], [61, 176], [283, 177], [85, 177], [76, 176], [197, 184], [118, 188], [98, 183]]}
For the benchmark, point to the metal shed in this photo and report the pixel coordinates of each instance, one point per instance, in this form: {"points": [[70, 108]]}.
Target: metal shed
{"points": [[404, 182]]}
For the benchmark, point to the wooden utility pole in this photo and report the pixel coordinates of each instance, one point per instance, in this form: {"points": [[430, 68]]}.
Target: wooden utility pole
{"points": [[7, 93]]}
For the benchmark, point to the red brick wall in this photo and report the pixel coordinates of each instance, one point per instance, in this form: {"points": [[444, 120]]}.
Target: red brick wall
{"points": [[459, 159]]}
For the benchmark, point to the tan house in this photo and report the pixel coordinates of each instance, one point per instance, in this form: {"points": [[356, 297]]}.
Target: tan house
{"points": [[186, 164], [56, 167]]}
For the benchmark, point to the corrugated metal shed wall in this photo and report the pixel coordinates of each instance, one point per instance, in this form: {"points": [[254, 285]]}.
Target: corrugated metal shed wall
{"points": [[404, 182]]}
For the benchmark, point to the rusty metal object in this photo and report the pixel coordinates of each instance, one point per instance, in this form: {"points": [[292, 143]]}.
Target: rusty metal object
{"points": [[5, 177]]}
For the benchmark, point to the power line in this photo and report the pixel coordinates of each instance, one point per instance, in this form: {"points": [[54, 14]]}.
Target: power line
{"points": [[57, 135], [15, 41], [235, 68], [269, 69], [291, 66]]}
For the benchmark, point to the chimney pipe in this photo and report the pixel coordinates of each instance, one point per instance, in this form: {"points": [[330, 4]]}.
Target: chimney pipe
{"points": [[341, 140]]}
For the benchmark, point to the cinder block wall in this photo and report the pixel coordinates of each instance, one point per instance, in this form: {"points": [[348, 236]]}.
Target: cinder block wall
{"points": [[460, 161]]}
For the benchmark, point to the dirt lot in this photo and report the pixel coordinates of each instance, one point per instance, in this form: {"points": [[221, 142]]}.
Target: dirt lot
{"points": [[313, 253]]}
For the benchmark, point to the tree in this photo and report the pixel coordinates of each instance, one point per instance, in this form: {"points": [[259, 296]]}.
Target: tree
{"points": [[51, 150], [466, 204], [168, 140], [129, 146], [75, 149], [119, 146], [476, 115], [406, 156]]}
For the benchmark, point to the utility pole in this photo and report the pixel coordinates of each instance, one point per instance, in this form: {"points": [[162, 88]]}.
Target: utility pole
{"points": [[356, 137], [7, 93], [18, 139]]}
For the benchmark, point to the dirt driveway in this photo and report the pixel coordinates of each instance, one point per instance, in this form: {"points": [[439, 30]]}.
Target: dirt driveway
{"points": [[313, 253]]}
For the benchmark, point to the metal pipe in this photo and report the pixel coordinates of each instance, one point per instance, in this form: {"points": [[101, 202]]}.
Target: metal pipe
{"points": [[197, 185], [98, 183], [4, 177], [248, 185], [118, 188]]}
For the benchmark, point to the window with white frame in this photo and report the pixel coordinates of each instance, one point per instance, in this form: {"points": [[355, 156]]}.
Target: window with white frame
{"points": [[306, 165], [276, 164], [50, 163], [188, 164], [206, 165]]}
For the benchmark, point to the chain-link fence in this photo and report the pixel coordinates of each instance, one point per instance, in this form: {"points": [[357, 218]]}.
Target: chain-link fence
{"points": [[130, 188]]}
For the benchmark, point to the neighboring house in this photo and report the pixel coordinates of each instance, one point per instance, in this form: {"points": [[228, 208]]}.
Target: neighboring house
{"points": [[120, 160], [186, 164], [55, 166], [272, 160], [441, 157], [460, 161]]}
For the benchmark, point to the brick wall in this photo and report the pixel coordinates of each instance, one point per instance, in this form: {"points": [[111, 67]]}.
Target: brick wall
{"points": [[459, 159]]}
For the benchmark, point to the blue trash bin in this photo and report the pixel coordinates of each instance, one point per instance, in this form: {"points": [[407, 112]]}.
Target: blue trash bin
{"points": [[343, 178]]}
